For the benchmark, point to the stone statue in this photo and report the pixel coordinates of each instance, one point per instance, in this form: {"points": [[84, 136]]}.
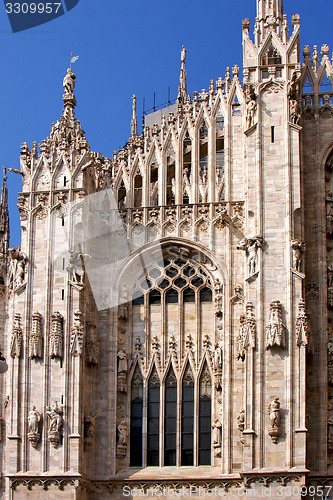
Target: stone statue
{"points": [[251, 246], [69, 82], [251, 107], [122, 439], [35, 337], [122, 362], [183, 54], [17, 267], [33, 420], [56, 422], [274, 417], [216, 435], [55, 416], [75, 269], [218, 355], [298, 248], [294, 111], [240, 420]]}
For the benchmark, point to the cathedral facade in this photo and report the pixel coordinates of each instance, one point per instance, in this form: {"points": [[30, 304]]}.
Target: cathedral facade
{"points": [[168, 319]]}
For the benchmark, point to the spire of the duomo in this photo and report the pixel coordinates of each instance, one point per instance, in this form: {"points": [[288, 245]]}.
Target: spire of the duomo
{"points": [[134, 121], [182, 89], [4, 218]]}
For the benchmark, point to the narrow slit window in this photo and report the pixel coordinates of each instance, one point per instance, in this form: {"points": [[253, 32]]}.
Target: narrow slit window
{"points": [[272, 135], [205, 417], [153, 421], [187, 418], [170, 425], [136, 419]]}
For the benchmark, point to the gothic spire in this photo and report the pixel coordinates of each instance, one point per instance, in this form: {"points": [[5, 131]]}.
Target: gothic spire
{"points": [[182, 89], [134, 121], [269, 16], [4, 219]]}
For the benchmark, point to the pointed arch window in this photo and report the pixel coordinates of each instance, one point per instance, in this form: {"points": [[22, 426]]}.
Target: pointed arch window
{"points": [[136, 419], [205, 417], [154, 182], [170, 419], [122, 196], [153, 419], [272, 56], [187, 162], [187, 437], [138, 190], [174, 415], [170, 160]]}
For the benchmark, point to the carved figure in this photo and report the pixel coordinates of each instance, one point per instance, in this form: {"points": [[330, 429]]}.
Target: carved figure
{"points": [[69, 82], [298, 248], [251, 246], [33, 420], [294, 111], [240, 420], [183, 54], [216, 434], [17, 267], [247, 333], [75, 268], [218, 355], [55, 415], [275, 330], [122, 362], [122, 439], [56, 423], [274, 417], [251, 107]]}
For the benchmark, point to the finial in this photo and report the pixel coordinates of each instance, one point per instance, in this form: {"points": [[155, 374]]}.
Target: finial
{"points": [[134, 122], [4, 174]]}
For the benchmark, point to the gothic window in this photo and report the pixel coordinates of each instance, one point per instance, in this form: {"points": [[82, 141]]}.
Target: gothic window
{"points": [[307, 86], [136, 418], [170, 160], [138, 191], [153, 420], [203, 159], [172, 311], [154, 182], [187, 162], [271, 57], [205, 417], [219, 144], [122, 196], [325, 84], [170, 419], [187, 446]]}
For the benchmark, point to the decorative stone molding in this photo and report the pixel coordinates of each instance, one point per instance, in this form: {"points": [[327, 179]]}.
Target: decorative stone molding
{"points": [[77, 335], [92, 346], [275, 330], [34, 419], [240, 417], [35, 337], [274, 416], [56, 336], [56, 423], [303, 329], [17, 335]]}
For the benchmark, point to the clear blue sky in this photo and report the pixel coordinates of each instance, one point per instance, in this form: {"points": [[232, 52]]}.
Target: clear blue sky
{"points": [[125, 47]]}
